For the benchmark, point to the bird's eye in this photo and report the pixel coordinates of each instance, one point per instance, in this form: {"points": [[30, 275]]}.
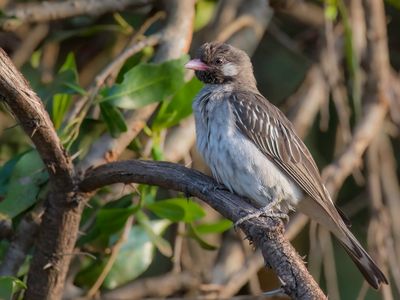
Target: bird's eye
{"points": [[218, 61]]}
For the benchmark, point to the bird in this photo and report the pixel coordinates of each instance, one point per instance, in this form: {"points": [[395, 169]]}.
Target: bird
{"points": [[253, 150]]}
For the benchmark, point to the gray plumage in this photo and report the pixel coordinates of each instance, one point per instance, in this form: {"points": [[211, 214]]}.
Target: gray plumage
{"points": [[252, 148]]}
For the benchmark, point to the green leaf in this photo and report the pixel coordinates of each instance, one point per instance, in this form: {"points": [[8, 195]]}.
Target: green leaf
{"points": [[67, 78], [157, 152], [352, 59], [108, 221], [35, 59], [28, 175], [65, 84], [179, 107], [192, 233], [9, 286], [147, 193], [112, 220], [6, 172], [135, 256], [61, 103], [177, 209], [89, 131], [394, 3], [162, 245], [331, 10], [146, 83], [217, 227], [204, 13], [113, 118]]}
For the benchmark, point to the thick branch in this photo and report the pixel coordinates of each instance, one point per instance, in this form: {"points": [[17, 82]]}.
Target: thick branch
{"points": [[49, 266], [266, 233], [33, 118], [47, 11]]}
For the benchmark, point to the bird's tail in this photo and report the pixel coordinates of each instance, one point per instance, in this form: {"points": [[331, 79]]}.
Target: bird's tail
{"points": [[363, 261]]}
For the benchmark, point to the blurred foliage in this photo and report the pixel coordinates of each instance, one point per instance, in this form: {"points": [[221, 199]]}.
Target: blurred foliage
{"points": [[86, 44], [9, 286]]}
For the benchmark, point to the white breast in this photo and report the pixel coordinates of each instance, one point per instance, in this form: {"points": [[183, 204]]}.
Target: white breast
{"points": [[233, 159]]}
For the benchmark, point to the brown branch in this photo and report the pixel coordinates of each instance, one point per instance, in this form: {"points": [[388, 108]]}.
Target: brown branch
{"points": [[47, 11], [266, 233], [30, 112], [379, 93], [243, 275], [305, 12], [165, 284], [180, 140], [62, 208], [30, 41], [61, 220], [335, 173], [306, 102]]}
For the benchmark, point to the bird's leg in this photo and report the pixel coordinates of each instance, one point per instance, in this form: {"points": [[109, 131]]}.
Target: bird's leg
{"points": [[268, 211]]}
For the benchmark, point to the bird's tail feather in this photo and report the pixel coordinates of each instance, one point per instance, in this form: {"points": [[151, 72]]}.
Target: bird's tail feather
{"points": [[363, 261]]}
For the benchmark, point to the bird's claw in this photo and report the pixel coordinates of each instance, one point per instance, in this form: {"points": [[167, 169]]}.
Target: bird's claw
{"points": [[267, 211]]}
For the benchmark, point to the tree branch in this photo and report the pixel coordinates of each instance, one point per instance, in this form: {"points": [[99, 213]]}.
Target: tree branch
{"points": [[166, 285], [47, 11], [49, 266], [266, 233], [30, 112]]}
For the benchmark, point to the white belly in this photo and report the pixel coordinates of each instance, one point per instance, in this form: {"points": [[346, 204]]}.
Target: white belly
{"points": [[236, 162]]}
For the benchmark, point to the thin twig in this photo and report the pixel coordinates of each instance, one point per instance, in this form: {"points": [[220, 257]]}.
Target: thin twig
{"points": [[165, 284], [240, 23], [32, 39]]}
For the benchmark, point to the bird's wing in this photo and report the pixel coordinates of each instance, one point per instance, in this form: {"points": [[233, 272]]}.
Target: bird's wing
{"points": [[268, 128]]}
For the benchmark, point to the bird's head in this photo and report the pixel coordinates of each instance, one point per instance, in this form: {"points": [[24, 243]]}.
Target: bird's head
{"points": [[219, 63]]}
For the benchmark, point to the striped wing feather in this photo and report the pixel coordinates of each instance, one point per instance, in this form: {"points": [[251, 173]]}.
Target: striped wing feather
{"points": [[268, 128]]}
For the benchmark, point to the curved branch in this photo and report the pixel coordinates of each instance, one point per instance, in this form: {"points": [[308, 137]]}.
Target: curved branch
{"points": [[33, 118], [47, 11], [266, 233], [49, 267]]}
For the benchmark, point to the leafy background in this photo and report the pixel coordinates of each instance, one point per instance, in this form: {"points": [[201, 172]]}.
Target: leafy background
{"points": [[145, 231]]}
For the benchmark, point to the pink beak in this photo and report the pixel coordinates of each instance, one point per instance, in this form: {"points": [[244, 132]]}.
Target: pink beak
{"points": [[196, 64]]}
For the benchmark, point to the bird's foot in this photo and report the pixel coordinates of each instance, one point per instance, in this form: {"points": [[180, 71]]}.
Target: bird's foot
{"points": [[267, 211]]}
